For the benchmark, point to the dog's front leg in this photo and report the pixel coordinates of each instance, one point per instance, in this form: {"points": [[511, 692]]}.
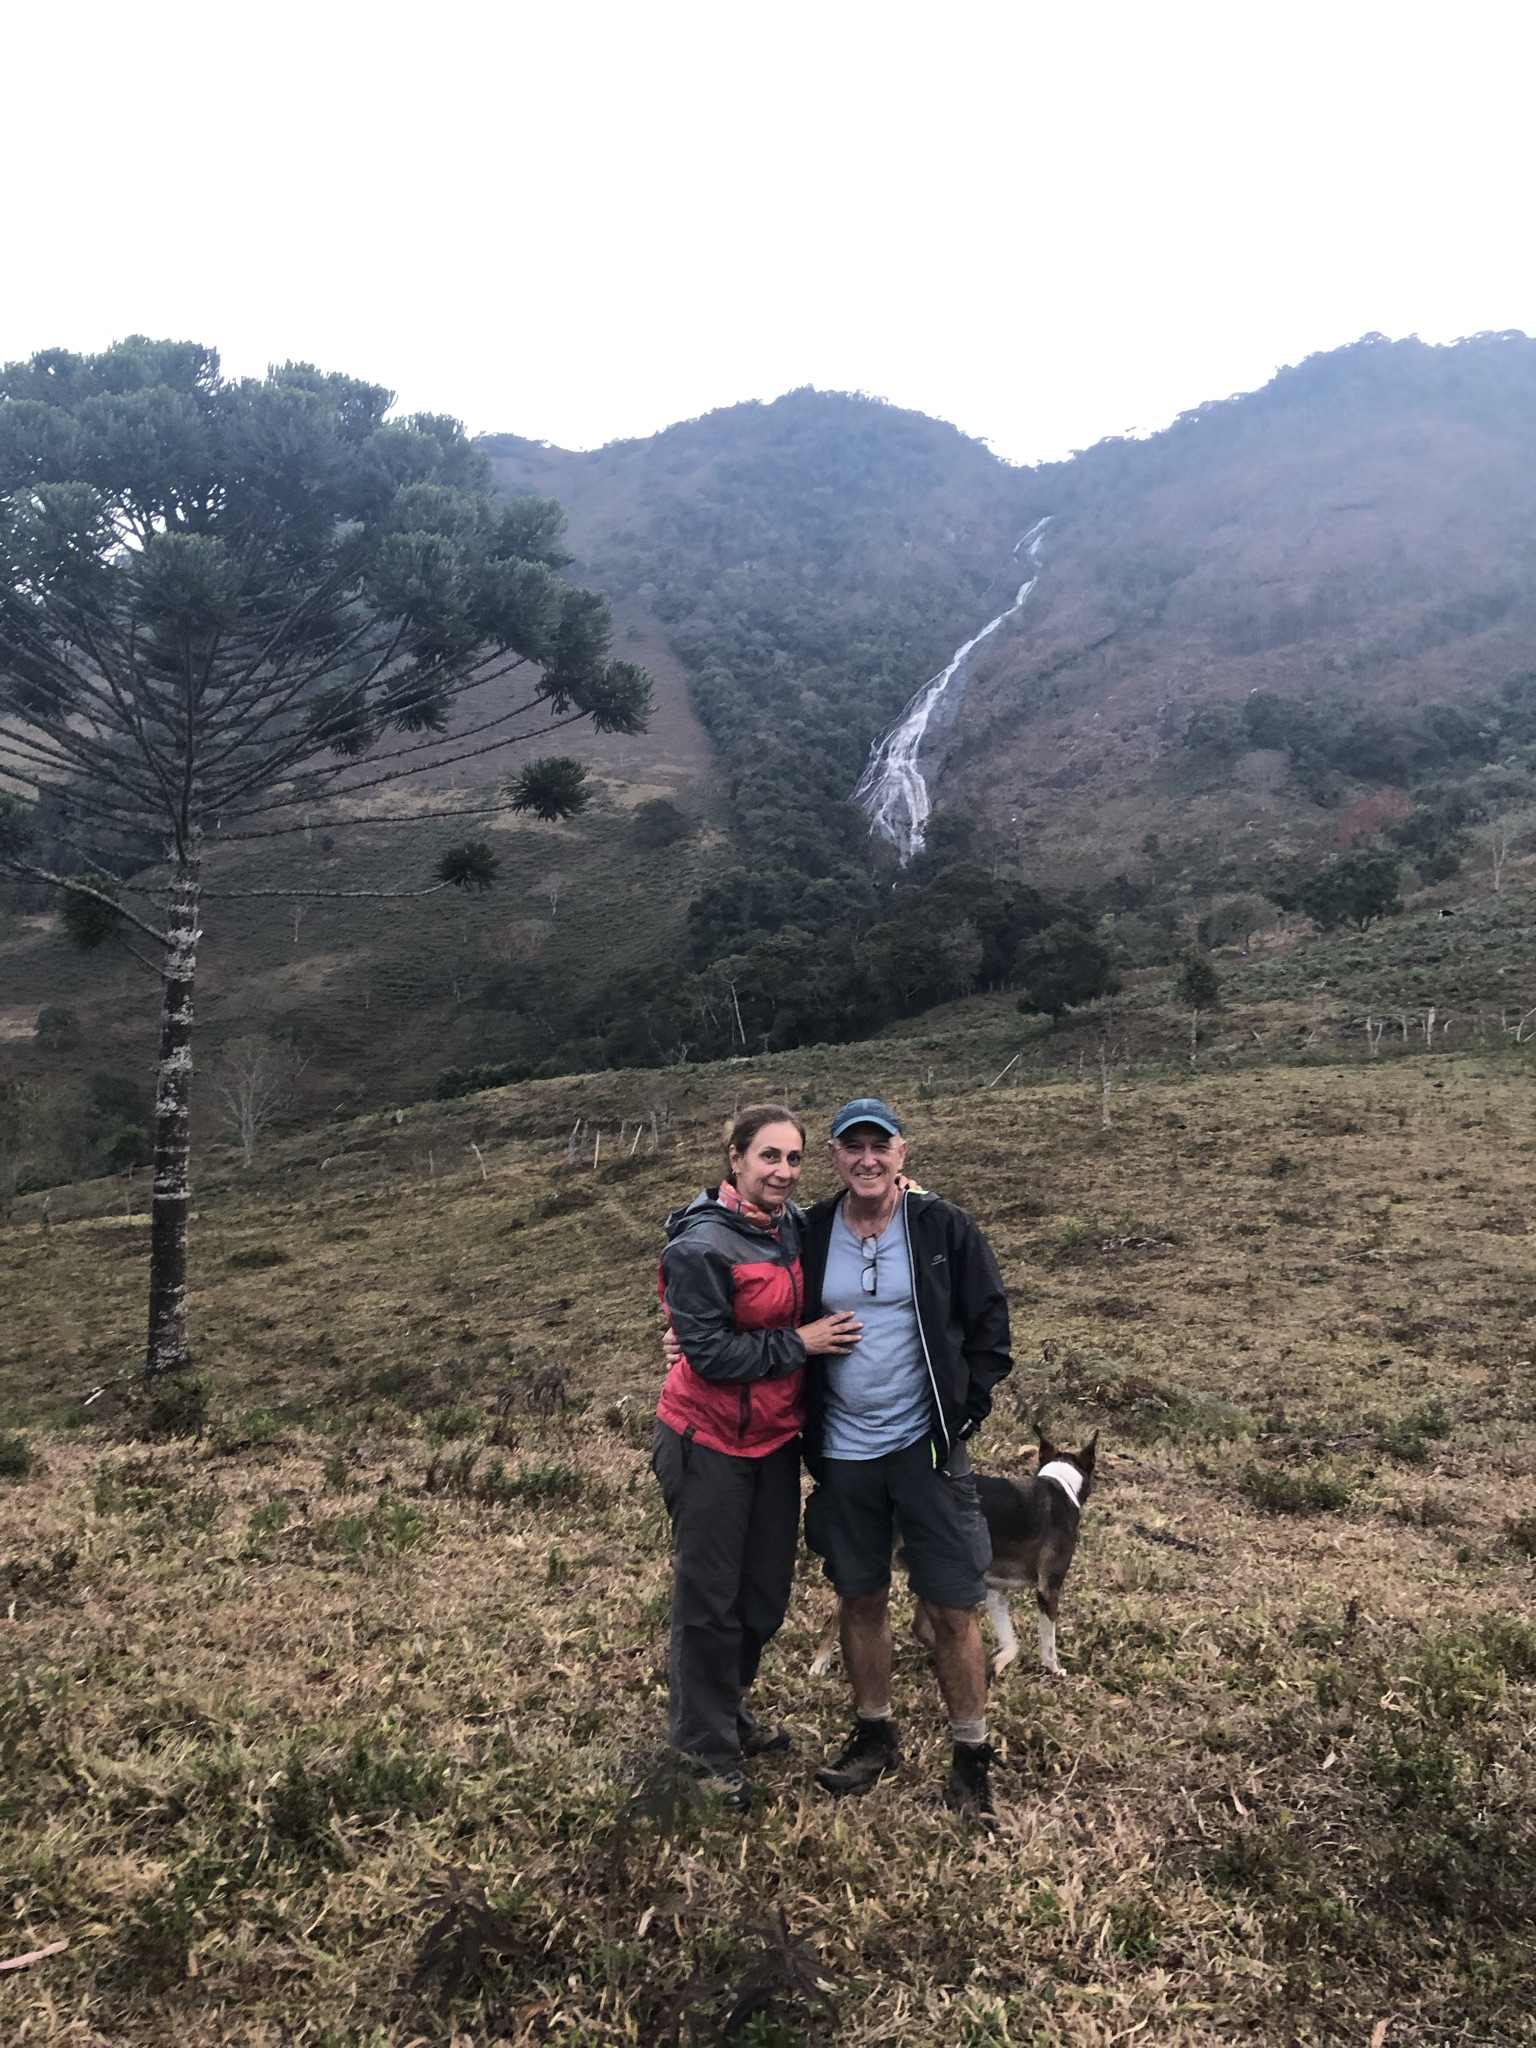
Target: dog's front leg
{"points": [[1002, 1625]]}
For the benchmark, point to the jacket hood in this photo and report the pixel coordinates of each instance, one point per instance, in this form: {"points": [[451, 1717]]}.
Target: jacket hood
{"points": [[707, 1207]]}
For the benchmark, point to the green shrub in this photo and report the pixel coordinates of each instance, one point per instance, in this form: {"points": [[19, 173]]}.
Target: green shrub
{"points": [[1199, 985], [1203, 1417], [16, 1457], [1292, 1493], [1509, 1642], [178, 1407], [1432, 1418], [1402, 1441], [1520, 1533]]}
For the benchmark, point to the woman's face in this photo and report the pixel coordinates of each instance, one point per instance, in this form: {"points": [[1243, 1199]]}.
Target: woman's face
{"points": [[768, 1172]]}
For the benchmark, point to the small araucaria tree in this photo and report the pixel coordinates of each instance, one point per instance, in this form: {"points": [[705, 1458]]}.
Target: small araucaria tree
{"points": [[227, 607]]}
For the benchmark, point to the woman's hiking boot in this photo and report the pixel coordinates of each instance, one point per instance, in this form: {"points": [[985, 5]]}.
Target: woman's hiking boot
{"points": [[868, 1755], [730, 1787], [968, 1788], [756, 1740], [766, 1742]]}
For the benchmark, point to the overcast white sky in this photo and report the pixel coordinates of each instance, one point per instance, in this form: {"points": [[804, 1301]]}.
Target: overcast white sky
{"points": [[579, 220]]}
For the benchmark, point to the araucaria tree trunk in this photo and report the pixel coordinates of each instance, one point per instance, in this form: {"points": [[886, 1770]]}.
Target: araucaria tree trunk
{"points": [[168, 1351]]}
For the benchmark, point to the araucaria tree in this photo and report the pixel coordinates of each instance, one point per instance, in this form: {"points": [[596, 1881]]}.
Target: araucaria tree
{"points": [[223, 602]]}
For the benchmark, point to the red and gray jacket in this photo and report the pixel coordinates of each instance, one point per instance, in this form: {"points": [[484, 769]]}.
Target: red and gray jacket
{"points": [[733, 1292]]}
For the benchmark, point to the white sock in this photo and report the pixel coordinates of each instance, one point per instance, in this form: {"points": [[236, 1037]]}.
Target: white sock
{"points": [[969, 1732], [873, 1713]]}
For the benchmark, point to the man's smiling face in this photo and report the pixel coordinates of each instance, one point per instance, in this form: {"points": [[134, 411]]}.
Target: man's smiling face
{"points": [[869, 1161]]}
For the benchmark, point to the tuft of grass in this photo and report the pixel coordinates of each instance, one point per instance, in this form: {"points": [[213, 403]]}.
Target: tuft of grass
{"points": [[1279, 1492], [1199, 1417], [258, 1258], [1520, 1533], [133, 1486], [268, 1520], [390, 1525], [369, 1782], [553, 1481], [449, 1424], [1408, 1438], [1434, 1511]]}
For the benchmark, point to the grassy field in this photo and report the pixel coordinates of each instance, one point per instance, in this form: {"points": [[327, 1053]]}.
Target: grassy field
{"points": [[339, 1723]]}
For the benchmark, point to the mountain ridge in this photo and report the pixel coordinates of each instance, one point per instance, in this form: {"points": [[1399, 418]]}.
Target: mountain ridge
{"points": [[1247, 628]]}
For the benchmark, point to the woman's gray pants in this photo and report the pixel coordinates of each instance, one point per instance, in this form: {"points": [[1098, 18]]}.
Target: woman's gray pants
{"points": [[735, 1524]]}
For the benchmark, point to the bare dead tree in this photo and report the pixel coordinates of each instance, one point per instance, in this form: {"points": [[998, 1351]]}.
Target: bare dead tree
{"points": [[1501, 842], [1108, 1061], [253, 1083]]}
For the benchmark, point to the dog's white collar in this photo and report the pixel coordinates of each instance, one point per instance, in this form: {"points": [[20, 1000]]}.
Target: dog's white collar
{"points": [[1066, 1476]]}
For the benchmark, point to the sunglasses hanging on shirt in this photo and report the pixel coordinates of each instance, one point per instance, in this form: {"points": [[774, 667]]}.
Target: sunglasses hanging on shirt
{"points": [[869, 1278]]}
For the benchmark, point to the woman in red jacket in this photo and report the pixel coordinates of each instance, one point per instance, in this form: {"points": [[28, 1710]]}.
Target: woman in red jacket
{"points": [[728, 1436]]}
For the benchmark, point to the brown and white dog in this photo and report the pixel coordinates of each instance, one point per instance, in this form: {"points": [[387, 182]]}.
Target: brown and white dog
{"points": [[1033, 1524]]}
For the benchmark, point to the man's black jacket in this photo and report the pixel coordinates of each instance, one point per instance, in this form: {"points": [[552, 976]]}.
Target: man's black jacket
{"points": [[962, 1315]]}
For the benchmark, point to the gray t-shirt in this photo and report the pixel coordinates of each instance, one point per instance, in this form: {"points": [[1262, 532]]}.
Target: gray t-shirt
{"points": [[877, 1397]]}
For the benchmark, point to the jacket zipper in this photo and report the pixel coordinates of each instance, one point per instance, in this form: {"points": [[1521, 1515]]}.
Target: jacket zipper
{"points": [[906, 1230]]}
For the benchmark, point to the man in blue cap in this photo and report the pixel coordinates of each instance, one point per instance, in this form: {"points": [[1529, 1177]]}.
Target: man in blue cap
{"points": [[886, 1437]]}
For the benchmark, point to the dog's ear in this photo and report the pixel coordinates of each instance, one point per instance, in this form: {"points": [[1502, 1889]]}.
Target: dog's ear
{"points": [[1085, 1457], [1047, 1448]]}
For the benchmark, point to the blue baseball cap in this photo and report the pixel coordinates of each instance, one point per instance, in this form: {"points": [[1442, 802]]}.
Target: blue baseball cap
{"points": [[866, 1109]]}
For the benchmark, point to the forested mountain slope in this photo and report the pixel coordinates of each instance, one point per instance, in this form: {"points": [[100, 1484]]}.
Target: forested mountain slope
{"points": [[1288, 598], [1298, 620]]}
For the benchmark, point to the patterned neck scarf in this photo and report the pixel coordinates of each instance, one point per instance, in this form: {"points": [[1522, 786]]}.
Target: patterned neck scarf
{"points": [[763, 1218]]}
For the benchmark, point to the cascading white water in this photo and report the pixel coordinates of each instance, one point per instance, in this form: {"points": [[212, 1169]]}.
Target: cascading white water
{"points": [[892, 788]]}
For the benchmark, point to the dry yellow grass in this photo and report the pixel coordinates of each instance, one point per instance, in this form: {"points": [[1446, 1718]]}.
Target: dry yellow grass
{"points": [[276, 1701]]}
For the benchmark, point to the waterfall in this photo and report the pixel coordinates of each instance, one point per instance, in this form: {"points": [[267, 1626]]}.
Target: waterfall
{"points": [[892, 789]]}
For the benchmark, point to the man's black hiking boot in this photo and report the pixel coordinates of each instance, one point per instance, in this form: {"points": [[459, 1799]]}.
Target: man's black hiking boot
{"points": [[868, 1755], [968, 1788]]}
